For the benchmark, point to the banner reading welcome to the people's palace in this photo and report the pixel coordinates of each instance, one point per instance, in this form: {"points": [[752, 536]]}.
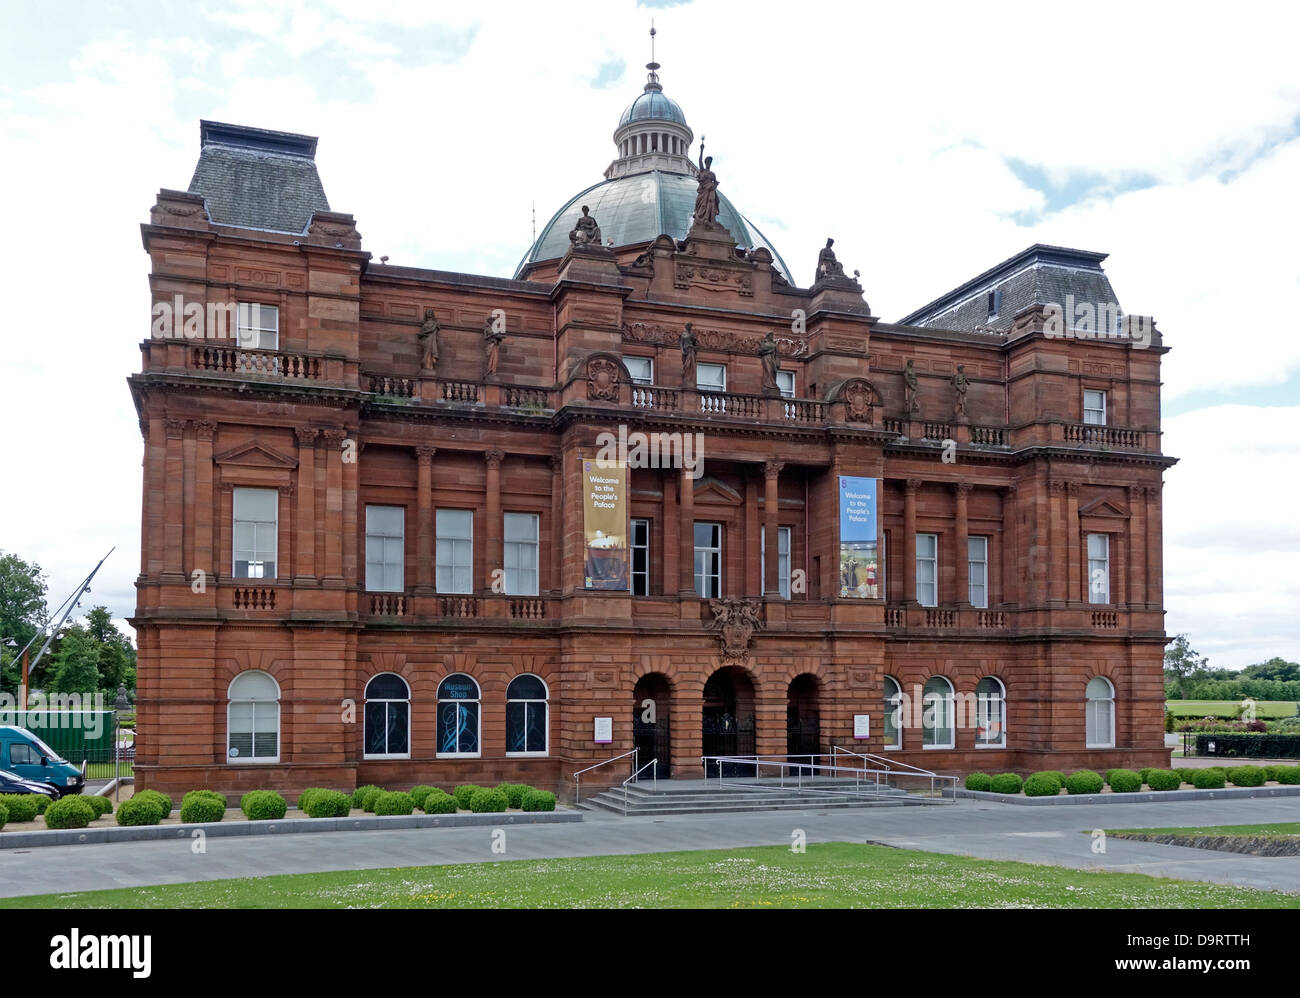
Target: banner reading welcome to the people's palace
{"points": [[604, 509], [859, 552]]}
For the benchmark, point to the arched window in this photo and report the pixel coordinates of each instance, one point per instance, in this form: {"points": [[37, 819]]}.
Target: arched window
{"points": [[936, 724], [893, 729], [990, 713], [458, 715], [253, 718], [526, 720], [1101, 713], [388, 717]]}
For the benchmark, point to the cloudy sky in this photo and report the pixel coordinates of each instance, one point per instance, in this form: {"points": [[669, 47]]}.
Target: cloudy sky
{"points": [[932, 141]]}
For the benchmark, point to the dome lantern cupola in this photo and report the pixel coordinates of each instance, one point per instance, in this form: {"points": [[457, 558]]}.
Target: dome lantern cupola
{"points": [[652, 133]]}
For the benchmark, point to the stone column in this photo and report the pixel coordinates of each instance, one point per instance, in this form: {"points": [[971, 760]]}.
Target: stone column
{"points": [[686, 535], [305, 563], [1136, 544], [351, 462], [1155, 555], [1010, 547], [173, 502], [189, 447], [1056, 556], [424, 526], [1076, 550], [204, 498], [771, 480], [495, 550], [961, 557], [671, 544], [910, 489], [557, 527], [333, 525], [155, 475]]}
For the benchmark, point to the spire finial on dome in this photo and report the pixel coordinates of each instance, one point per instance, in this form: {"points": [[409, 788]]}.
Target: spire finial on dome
{"points": [[652, 78]]}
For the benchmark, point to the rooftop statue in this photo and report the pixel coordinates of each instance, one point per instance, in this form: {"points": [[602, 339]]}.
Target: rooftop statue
{"points": [[771, 359], [586, 233], [827, 264], [706, 195], [428, 336]]}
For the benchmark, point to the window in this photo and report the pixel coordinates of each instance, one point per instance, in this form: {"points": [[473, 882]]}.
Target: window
{"points": [[455, 557], [385, 541], [388, 717], [711, 377], [253, 718], [785, 382], [1101, 713], [458, 716], [927, 569], [526, 731], [995, 302], [708, 560], [990, 713], [1094, 407], [977, 570], [258, 326], [22, 754], [893, 711], [642, 370], [1098, 568], [521, 554], [936, 723], [640, 557], [255, 533], [782, 559]]}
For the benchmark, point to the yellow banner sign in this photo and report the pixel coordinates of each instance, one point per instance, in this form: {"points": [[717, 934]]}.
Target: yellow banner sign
{"points": [[604, 512]]}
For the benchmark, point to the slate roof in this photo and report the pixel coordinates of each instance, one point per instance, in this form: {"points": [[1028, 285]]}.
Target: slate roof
{"points": [[256, 178], [1039, 275]]}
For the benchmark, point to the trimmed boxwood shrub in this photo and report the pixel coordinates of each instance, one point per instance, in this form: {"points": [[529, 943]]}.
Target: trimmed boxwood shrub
{"points": [[1144, 773], [514, 792], [1058, 774], [328, 804], [70, 812], [537, 800], [439, 802], [978, 781], [42, 802], [140, 810], [394, 802], [163, 800], [263, 805], [1289, 775], [1124, 781], [21, 807], [1045, 784], [1085, 781], [202, 806], [369, 798], [1209, 779], [305, 797], [419, 793], [1185, 774], [1006, 783], [359, 795], [464, 793], [486, 801], [1163, 779], [1109, 772], [1273, 770], [1247, 776], [102, 805], [4, 815]]}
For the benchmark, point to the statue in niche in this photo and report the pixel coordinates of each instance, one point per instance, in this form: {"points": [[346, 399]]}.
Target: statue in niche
{"points": [[909, 388], [428, 337], [960, 384], [771, 358], [706, 194], [688, 357], [586, 233]]}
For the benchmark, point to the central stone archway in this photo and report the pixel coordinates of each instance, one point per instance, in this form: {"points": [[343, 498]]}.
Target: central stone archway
{"points": [[728, 724]]}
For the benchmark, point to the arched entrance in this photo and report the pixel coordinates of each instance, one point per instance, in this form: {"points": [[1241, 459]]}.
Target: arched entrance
{"points": [[728, 721], [651, 722], [803, 718]]}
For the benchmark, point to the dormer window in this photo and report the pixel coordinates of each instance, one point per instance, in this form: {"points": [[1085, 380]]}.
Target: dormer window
{"points": [[995, 302]]}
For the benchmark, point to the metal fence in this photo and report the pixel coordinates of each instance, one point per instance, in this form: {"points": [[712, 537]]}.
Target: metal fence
{"points": [[95, 737]]}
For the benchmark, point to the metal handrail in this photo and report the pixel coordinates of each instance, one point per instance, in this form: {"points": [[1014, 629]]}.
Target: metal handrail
{"points": [[633, 778], [757, 760], [577, 777], [885, 760]]}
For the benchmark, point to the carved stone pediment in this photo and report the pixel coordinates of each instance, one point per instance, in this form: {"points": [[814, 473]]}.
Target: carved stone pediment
{"points": [[735, 619], [255, 455], [1103, 507]]}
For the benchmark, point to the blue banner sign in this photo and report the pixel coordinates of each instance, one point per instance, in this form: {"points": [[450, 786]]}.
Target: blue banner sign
{"points": [[859, 538]]}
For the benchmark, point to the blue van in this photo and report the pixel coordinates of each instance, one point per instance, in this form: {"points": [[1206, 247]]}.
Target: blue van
{"points": [[26, 756]]}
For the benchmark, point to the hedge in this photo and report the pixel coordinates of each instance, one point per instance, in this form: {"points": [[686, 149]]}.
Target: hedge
{"points": [[21, 807], [1247, 776], [1289, 775], [1124, 781], [486, 801], [163, 800], [142, 809], [1209, 779], [1239, 689], [439, 802], [463, 793], [369, 798], [978, 781], [219, 798], [199, 806], [359, 794], [1085, 781], [1250, 745], [394, 802], [1185, 774], [1273, 770], [514, 792], [1006, 783], [328, 804], [537, 800], [419, 793], [1042, 785], [70, 812], [263, 805]]}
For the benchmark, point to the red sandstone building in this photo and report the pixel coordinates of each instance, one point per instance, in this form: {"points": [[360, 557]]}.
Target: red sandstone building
{"points": [[364, 557]]}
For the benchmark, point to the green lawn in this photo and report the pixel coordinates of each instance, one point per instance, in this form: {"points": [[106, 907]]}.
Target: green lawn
{"points": [[1195, 709], [1278, 830], [835, 875]]}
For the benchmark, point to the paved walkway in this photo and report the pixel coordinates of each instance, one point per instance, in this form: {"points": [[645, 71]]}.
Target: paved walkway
{"points": [[1052, 835]]}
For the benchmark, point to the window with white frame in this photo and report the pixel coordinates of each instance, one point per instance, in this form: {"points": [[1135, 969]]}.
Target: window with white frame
{"points": [[1100, 731], [937, 731], [521, 554], [927, 569], [893, 727], [455, 550], [642, 369], [711, 377], [782, 560], [258, 326], [1094, 407], [640, 557], [253, 718], [388, 717], [255, 516], [785, 382], [385, 549], [977, 571], [526, 710], [990, 713], [1098, 568], [458, 715], [708, 560]]}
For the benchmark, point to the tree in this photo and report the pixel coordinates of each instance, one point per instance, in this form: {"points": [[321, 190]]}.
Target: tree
{"points": [[1275, 668], [76, 664], [116, 656], [1182, 663], [22, 612]]}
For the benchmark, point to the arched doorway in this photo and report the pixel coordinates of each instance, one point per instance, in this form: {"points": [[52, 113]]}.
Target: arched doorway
{"points": [[803, 718], [651, 722], [728, 721]]}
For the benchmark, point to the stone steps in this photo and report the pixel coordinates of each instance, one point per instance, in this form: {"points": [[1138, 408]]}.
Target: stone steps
{"points": [[694, 797]]}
